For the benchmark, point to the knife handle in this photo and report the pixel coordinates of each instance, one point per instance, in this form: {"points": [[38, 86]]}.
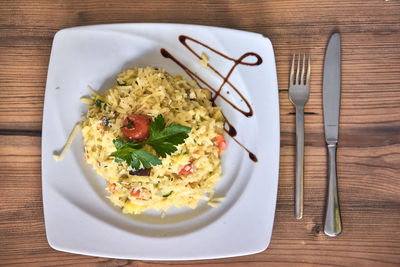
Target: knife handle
{"points": [[333, 223], [299, 162]]}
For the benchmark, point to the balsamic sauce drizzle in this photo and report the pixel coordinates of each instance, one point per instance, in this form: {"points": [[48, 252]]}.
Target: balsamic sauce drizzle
{"points": [[217, 93], [184, 38]]}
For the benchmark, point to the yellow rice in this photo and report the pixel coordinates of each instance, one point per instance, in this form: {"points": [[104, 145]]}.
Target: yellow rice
{"points": [[152, 92]]}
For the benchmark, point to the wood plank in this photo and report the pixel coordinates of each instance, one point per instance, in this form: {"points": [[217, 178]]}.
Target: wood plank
{"points": [[372, 37], [364, 174]]}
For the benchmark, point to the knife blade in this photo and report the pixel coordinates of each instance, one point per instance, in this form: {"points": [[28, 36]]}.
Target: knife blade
{"points": [[331, 89], [331, 104]]}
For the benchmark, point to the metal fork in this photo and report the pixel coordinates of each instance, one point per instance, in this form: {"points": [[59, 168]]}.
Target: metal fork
{"points": [[299, 91]]}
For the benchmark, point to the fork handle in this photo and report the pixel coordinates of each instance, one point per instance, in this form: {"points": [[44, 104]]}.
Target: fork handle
{"points": [[333, 223], [299, 161]]}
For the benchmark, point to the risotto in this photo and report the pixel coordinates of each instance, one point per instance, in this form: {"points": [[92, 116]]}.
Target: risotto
{"points": [[144, 104]]}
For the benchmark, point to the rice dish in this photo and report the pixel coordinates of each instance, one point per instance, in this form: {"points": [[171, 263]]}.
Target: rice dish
{"points": [[182, 178]]}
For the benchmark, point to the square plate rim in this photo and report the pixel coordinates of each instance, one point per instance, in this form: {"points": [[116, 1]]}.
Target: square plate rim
{"points": [[116, 25]]}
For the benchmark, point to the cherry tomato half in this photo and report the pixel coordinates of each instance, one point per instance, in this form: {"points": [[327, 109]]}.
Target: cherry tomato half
{"points": [[111, 187], [221, 142], [136, 127], [135, 193], [187, 169]]}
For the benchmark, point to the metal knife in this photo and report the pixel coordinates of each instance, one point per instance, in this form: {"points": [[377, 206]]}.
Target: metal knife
{"points": [[331, 99]]}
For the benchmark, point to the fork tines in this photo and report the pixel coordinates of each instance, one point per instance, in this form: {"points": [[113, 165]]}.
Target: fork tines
{"points": [[301, 81]]}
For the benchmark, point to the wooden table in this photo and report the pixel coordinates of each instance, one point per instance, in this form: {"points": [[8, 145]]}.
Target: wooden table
{"points": [[368, 154]]}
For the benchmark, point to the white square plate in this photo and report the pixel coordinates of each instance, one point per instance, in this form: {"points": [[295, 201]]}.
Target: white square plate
{"points": [[79, 218]]}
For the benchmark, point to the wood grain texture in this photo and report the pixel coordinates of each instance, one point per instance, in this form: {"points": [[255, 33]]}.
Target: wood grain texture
{"points": [[368, 154]]}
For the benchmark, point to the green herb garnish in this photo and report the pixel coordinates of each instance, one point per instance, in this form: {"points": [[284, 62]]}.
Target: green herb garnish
{"points": [[163, 139], [121, 83], [133, 155], [100, 103], [167, 195], [130, 124]]}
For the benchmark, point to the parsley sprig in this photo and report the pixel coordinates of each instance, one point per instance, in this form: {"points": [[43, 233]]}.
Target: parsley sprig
{"points": [[164, 139]]}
